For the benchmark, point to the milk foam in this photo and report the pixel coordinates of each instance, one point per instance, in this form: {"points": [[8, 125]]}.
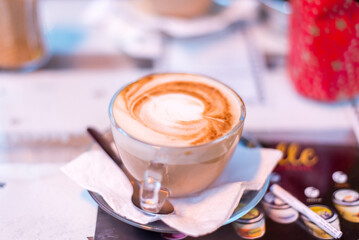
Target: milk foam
{"points": [[176, 109], [173, 107]]}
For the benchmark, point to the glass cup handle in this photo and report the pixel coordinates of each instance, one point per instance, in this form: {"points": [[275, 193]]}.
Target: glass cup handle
{"points": [[152, 194]]}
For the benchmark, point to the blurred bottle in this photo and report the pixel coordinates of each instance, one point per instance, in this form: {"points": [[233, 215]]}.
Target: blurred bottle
{"points": [[21, 42], [324, 48], [181, 8]]}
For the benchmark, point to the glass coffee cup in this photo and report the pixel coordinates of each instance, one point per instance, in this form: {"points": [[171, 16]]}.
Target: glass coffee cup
{"points": [[172, 133]]}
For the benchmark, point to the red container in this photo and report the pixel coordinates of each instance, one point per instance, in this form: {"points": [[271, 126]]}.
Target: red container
{"points": [[324, 48]]}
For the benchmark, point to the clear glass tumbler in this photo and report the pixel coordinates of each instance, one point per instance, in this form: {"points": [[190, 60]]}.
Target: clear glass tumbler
{"points": [[22, 46]]}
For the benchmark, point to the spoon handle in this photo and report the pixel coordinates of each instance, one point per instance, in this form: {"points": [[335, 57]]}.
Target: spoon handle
{"points": [[97, 136]]}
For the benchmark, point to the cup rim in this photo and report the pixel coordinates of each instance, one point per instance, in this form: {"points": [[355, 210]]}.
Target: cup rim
{"points": [[226, 135]]}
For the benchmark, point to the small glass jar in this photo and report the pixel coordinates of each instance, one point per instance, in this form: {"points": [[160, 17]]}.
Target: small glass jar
{"points": [[278, 210], [327, 214], [251, 225], [346, 201]]}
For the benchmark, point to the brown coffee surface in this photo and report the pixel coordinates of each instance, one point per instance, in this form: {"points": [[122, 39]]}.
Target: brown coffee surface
{"points": [[176, 109]]}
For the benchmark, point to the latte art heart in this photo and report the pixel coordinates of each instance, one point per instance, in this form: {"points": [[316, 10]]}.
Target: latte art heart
{"points": [[176, 109], [170, 113], [173, 108]]}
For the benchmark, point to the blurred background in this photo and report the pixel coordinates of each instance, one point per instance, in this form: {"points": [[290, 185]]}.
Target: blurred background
{"points": [[295, 64], [91, 48]]}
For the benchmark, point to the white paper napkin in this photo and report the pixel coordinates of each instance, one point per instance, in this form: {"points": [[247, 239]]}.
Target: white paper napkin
{"points": [[196, 215]]}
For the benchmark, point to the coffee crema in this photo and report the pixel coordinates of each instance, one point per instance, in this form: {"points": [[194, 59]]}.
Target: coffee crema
{"points": [[174, 109]]}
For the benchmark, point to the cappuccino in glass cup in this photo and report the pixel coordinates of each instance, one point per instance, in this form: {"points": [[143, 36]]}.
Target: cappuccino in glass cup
{"points": [[176, 131]]}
